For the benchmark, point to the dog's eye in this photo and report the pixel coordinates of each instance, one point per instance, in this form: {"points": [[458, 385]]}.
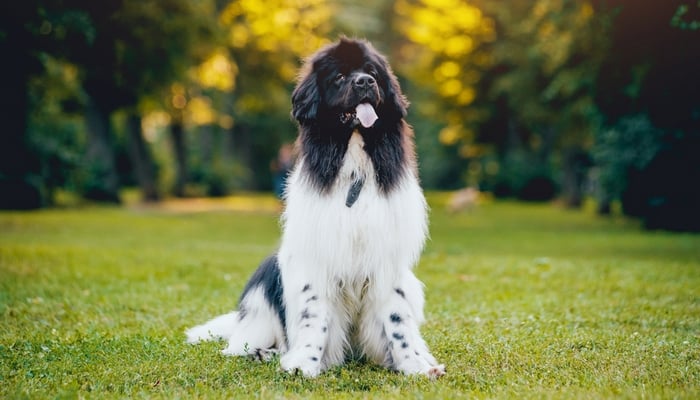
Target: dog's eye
{"points": [[339, 78]]}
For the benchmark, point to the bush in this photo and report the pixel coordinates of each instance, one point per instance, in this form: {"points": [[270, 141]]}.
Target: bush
{"points": [[523, 176], [651, 172]]}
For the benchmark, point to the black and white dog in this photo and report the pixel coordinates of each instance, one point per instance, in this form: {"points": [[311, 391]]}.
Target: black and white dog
{"points": [[354, 225]]}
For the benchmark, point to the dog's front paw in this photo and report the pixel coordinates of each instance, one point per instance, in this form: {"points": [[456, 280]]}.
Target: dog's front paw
{"points": [[295, 362], [421, 364]]}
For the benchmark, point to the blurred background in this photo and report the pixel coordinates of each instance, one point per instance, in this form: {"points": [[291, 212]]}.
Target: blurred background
{"points": [[577, 101]]}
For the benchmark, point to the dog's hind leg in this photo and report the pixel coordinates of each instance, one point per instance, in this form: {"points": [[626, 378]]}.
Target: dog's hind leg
{"points": [[258, 331], [257, 328], [254, 330]]}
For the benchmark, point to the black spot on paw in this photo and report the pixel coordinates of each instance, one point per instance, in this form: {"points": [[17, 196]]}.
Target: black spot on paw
{"points": [[397, 336], [306, 287], [404, 345], [314, 359], [324, 329], [400, 292], [305, 314], [395, 318]]}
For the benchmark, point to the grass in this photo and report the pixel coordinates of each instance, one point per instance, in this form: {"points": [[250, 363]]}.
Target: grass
{"points": [[523, 301]]}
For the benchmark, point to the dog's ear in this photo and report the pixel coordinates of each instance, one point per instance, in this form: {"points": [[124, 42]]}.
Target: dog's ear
{"points": [[306, 98], [395, 100], [395, 103]]}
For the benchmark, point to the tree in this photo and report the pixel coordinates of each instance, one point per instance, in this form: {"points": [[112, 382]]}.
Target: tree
{"points": [[444, 52], [266, 41], [651, 70], [516, 80], [547, 62], [24, 31], [124, 51]]}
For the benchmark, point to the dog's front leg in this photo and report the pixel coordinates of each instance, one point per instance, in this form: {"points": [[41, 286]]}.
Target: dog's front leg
{"points": [[401, 317], [307, 330]]}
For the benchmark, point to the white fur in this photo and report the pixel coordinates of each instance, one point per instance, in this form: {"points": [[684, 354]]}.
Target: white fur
{"points": [[260, 329], [356, 262]]}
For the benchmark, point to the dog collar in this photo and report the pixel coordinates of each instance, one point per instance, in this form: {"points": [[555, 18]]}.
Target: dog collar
{"points": [[354, 192]]}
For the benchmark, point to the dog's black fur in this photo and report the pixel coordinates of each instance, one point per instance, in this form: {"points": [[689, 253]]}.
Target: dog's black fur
{"points": [[326, 92]]}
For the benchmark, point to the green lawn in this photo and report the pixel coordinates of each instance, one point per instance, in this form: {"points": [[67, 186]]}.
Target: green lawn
{"points": [[523, 301]]}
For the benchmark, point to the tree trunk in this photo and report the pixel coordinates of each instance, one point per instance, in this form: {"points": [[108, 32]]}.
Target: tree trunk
{"points": [[177, 135], [576, 164], [20, 180], [102, 183], [141, 159], [604, 207], [239, 149]]}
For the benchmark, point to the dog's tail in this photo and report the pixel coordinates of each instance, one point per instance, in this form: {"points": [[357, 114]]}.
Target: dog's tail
{"points": [[219, 328]]}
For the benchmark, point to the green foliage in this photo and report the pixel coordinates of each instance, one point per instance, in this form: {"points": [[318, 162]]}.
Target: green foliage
{"points": [[523, 176], [679, 21], [55, 133], [549, 53], [443, 50], [501, 78], [523, 301], [628, 146]]}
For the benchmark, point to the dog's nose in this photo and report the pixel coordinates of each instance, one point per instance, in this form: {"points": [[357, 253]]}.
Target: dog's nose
{"points": [[363, 81]]}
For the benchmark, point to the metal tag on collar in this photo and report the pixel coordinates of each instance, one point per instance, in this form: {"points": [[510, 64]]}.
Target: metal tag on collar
{"points": [[354, 192]]}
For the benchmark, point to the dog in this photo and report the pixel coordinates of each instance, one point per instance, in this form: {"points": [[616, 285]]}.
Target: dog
{"points": [[341, 284]]}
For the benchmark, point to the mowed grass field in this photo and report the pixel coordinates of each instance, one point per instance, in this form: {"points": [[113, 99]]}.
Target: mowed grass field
{"points": [[523, 301]]}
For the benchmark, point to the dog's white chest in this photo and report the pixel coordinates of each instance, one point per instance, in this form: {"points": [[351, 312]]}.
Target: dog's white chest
{"points": [[379, 234], [356, 163]]}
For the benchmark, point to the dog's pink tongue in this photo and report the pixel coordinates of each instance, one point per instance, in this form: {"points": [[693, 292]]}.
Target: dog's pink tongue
{"points": [[366, 114]]}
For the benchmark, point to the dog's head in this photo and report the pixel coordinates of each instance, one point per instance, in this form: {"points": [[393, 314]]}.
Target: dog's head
{"points": [[348, 82]]}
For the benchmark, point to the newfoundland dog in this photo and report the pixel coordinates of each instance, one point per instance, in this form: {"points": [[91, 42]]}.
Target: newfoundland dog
{"points": [[341, 284]]}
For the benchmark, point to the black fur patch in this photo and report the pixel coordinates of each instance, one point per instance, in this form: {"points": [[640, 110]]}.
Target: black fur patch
{"points": [[268, 276], [400, 292], [242, 312], [306, 315], [395, 318]]}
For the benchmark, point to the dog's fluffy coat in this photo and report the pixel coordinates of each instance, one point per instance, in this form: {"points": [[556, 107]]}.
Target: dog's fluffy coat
{"points": [[354, 224]]}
